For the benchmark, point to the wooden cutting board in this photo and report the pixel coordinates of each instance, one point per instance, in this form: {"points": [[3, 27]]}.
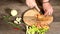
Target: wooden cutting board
{"points": [[30, 18]]}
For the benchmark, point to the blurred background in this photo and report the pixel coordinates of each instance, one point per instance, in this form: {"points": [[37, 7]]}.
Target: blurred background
{"points": [[21, 7]]}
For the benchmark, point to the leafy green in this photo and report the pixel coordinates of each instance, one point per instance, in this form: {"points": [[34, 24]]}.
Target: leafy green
{"points": [[33, 29]]}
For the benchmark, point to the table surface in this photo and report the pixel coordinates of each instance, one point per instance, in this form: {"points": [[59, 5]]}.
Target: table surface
{"points": [[21, 7]]}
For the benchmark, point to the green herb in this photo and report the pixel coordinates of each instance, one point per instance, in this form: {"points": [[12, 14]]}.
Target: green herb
{"points": [[6, 19], [33, 29]]}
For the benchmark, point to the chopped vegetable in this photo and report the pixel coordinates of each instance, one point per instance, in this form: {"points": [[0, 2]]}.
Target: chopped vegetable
{"points": [[14, 12], [33, 29]]}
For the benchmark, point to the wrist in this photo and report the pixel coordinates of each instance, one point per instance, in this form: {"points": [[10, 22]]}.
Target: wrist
{"points": [[45, 1]]}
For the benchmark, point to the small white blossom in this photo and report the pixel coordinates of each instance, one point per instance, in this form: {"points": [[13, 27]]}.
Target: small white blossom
{"points": [[18, 19], [13, 12], [19, 22], [15, 22]]}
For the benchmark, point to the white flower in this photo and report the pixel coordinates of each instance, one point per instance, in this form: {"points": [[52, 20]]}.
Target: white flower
{"points": [[13, 12], [15, 22], [18, 19]]}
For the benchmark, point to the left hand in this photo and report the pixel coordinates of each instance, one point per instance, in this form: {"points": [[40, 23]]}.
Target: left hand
{"points": [[47, 8]]}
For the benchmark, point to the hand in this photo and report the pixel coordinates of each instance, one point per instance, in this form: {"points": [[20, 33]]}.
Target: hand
{"points": [[31, 4], [47, 8]]}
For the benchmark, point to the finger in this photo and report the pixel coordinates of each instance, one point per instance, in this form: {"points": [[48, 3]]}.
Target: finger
{"points": [[37, 8], [46, 13], [51, 11]]}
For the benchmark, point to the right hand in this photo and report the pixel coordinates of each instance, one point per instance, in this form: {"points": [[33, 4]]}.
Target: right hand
{"points": [[31, 4]]}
